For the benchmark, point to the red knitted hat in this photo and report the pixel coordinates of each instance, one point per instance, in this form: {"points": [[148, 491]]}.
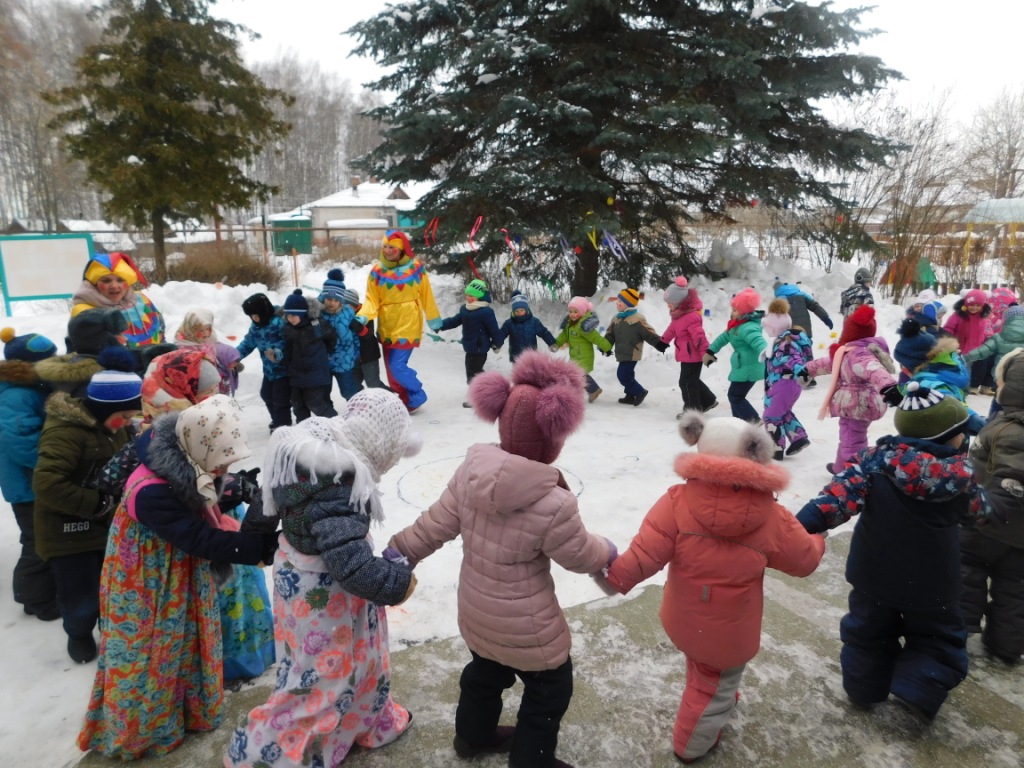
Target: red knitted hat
{"points": [[860, 324]]}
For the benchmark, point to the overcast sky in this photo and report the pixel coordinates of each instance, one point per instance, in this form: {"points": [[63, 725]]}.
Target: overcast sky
{"points": [[969, 47]]}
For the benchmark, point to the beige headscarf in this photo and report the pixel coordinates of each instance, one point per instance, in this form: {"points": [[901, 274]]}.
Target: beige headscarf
{"points": [[212, 436]]}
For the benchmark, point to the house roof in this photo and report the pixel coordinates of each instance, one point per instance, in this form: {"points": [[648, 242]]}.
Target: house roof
{"points": [[370, 193], [1009, 210]]}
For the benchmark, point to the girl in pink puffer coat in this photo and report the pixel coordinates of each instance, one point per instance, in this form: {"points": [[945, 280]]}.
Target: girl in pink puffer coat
{"points": [[717, 532], [515, 514], [686, 331]]}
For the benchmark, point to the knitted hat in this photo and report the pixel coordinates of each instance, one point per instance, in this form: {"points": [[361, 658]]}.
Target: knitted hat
{"points": [[777, 318], [111, 392], [928, 310], [676, 292], [726, 436], [519, 301], [93, 330], [259, 304], [629, 296], [296, 303], [350, 297], [746, 301], [376, 424], [1014, 310], [859, 324], [926, 296], [333, 285], [30, 347], [580, 304], [400, 240], [1010, 379], [929, 415], [120, 264], [862, 276], [537, 409], [975, 296], [476, 288]]}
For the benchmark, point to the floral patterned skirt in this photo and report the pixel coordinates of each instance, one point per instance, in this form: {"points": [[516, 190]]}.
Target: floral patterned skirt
{"points": [[333, 684]]}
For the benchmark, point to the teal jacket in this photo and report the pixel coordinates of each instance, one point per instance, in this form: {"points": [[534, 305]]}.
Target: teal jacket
{"points": [[746, 363], [581, 337]]}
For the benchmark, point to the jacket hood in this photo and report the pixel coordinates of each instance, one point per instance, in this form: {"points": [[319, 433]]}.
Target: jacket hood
{"points": [[19, 372], [587, 322], [986, 310], [159, 450], [62, 406], [67, 371], [692, 302], [921, 469], [877, 346], [517, 483]]}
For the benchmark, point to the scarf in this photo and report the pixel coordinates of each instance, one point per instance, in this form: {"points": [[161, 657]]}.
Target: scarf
{"points": [[88, 293], [627, 313], [837, 362], [212, 436]]}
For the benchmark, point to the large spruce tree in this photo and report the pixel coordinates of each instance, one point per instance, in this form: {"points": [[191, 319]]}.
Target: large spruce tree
{"points": [[566, 119], [165, 115]]}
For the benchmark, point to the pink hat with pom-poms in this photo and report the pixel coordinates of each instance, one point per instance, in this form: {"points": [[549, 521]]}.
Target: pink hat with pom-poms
{"points": [[676, 292], [537, 409]]}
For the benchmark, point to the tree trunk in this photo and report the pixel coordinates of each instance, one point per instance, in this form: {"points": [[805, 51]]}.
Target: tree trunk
{"points": [[159, 249], [584, 277]]}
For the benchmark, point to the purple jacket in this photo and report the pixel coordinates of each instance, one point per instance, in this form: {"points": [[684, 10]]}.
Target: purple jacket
{"points": [[687, 330], [865, 370]]}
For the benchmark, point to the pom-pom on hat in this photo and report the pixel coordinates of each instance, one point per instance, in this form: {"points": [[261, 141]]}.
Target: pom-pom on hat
{"points": [[975, 297], [333, 285], [350, 297], [476, 288], [580, 304], [92, 331], [259, 304], [537, 409], [296, 303], [677, 291], [777, 319], [110, 392], [29, 347], [629, 296], [928, 414], [746, 301], [519, 301]]}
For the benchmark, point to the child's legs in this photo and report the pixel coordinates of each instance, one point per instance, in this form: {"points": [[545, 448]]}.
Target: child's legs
{"points": [[78, 591], [934, 657], [708, 701], [695, 392], [371, 374], [33, 580], [589, 385], [1004, 625], [277, 395], [299, 406], [778, 405], [318, 400], [474, 364], [546, 696], [346, 383], [981, 372], [626, 374], [870, 633], [479, 709], [976, 555], [853, 438], [403, 379], [741, 409]]}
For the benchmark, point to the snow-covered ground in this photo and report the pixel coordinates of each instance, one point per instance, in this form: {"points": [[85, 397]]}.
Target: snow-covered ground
{"points": [[619, 463]]}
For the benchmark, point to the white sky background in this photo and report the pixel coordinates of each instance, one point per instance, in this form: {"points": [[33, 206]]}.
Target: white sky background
{"points": [[969, 48]]}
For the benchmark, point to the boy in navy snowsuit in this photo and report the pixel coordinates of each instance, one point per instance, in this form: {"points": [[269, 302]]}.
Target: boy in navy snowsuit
{"points": [[904, 633], [522, 329], [479, 328], [308, 343], [266, 334]]}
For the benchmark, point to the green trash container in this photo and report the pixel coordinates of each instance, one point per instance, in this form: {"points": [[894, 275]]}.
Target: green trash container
{"points": [[294, 232]]}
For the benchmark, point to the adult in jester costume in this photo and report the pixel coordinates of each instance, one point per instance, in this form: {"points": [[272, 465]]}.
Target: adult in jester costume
{"points": [[398, 295], [108, 283]]}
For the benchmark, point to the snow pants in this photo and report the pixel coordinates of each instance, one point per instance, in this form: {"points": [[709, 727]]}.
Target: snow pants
{"points": [[741, 409], [276, 394], [709, 697], [33, 582], [779, 419], [993, 578], [696, 393], [917, 655], [626, 374], [853, 438], [403, 380]]}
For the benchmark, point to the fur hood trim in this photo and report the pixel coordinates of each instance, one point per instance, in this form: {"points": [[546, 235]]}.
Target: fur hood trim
{"points": [[19, 372], [726, 470], [944, 345], [166, 459], [67, 369], [62, 406]]}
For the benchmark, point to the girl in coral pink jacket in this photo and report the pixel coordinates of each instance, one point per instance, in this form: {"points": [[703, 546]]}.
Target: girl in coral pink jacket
{"points": [[686, 331], [717, 532]]}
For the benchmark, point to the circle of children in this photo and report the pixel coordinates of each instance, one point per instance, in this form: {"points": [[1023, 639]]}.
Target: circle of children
{"points": [[135, 525]]}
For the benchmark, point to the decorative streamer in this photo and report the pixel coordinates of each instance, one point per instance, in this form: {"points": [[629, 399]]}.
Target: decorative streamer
{"points": [[472, 244], [510, 244], [614, 245], [430, 233]]}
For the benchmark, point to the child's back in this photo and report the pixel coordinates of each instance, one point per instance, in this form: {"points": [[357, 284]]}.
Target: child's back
{"points": [[522, 329]]}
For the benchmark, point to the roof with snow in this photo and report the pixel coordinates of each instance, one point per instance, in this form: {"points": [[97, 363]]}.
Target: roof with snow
{"points": [[1009, 210], [370, 193]]}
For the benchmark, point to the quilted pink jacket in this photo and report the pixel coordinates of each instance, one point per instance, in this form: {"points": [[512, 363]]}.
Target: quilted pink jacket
{"points": [[515, 516], [687, 331]]}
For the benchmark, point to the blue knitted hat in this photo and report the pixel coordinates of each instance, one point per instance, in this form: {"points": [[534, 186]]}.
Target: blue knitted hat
{"points": [[334, 285], [519, 301], [111, 392], [296, 303], [350, 297], [29, 347]]}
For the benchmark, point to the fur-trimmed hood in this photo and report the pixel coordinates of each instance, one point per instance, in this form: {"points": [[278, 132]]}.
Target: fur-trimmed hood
{"points": [[943, 346], [986, 309], [726, 470], [160, 451], [65, 407], [588, 322], [19, 372], [67, 372]]}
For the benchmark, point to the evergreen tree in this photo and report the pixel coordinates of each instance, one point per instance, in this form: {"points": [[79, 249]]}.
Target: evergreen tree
{"points": [[165, 115], [633, 117]]}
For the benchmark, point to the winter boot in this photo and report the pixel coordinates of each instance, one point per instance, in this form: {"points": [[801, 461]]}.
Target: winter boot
{"points": [[82, 650], [797, 445], [594, 395], [628, 400], [500, 742], [640, 398]]}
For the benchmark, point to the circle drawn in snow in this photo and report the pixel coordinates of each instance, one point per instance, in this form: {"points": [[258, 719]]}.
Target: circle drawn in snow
{"points": [[634, 458], [422, 485]]}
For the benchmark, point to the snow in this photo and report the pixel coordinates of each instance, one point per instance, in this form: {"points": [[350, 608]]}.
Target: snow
{"points": [[619, 463]]}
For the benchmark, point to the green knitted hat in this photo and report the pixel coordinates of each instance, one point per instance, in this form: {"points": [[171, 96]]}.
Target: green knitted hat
{"points": [[929, 415], [477, 289]]}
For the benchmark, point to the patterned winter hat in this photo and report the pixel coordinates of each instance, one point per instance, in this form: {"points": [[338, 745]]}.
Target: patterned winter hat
{"points": [[777, 319], [476, 288], [746, 301], [111, 392], [537, 409], [296, 303], [260, 305], [676, 292], [120, 264], [629, 296], [1014, 310], [350, 297], [176, 380], [580, 304], [212, 433], [333, 285], [92, 331], [30, 347], [519, 301], [928, 414]]}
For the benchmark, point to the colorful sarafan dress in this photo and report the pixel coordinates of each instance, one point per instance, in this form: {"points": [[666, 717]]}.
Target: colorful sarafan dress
{"points": [[334, 682], [160, 654]]}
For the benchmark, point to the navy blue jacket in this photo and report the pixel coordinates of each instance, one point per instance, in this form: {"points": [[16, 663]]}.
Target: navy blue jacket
{"points": [[522, 333], [479, 327], [307, 352]]}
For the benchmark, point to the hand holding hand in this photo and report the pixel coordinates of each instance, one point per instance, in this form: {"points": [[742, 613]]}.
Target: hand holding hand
{"points": [[392, 555], [709, 358], [410, 590], [272, 355], [892, 395], [435, 324]]}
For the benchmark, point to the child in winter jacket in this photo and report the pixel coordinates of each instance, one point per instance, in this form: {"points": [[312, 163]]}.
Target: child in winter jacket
{"points": [[857, 294], [686, 331], [785, 370], [515, 515], [22, 400], [915, 343], [479, 328], [368, 370], [334, 684], [746, 364], [627, 333], [945, 371], [992, 555], [717, 532], [308, 344], [969, 323], [266, 334], [801, 304], [196, 332], [1009, 337], [522, 329], [904, 633], [580, 331], [861, 368], [341, 317]]}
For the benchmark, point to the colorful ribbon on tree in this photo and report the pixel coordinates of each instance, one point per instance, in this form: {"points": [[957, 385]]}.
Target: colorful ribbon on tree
{"points": [[472, 244], [614, 245], [430, 233]]}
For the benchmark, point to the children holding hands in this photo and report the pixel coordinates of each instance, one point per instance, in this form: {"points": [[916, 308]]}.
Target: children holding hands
{"points": [[479, 328], [581, 332], [686, 331], [627, 332]]}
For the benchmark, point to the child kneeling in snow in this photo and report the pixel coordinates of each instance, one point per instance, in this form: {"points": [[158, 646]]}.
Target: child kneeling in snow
{"points": [[721, 527]]}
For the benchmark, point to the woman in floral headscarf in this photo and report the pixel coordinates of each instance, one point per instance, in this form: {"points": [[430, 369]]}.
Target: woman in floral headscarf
{"points": [[107, 282], [196, 332]]}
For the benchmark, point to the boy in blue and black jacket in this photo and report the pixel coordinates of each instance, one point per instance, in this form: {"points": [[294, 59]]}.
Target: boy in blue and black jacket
{"points": [[522, 329], [904, 633], [479, 328], [266, 334], [342, 318]]}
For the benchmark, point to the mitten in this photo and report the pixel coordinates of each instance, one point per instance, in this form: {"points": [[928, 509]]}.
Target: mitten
{"points": [[613, 552], [435, 324], [709, 358], [255, 521], [410, 590], [272, 355], [606, 352], [601, 579], [553, 347], [804, 378], [270, 541], [892, 395], [392, 555], [661, 346], [362, 319]]}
